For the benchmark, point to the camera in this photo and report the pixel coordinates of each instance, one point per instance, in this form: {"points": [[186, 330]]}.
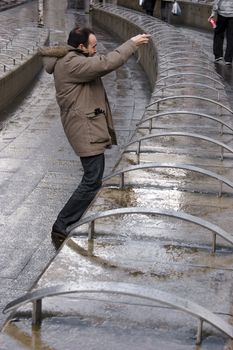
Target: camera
{"points": [[98, 111]]}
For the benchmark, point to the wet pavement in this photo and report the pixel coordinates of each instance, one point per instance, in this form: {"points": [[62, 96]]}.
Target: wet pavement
{"points": [[159, 252], [38, 168]]}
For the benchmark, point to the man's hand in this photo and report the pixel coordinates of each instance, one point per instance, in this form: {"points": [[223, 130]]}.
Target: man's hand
{"points": [[141, 39]]}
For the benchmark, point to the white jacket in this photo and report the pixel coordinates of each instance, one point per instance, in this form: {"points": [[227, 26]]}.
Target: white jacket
{"points": [[223, 8]]}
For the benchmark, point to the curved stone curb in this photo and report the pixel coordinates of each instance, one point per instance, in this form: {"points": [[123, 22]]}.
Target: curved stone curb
{"points": [[17, 73]]}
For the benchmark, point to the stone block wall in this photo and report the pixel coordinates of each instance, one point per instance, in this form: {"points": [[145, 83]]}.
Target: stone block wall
{"points": [[193, 14], [125, 30]]}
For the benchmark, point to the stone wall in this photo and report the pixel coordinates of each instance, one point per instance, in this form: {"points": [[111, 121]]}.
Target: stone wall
{"points": [[193, 14], [16, 81], [125, 30]]}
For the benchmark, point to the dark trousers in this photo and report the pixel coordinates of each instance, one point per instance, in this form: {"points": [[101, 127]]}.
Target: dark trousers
{"points": [[224, 25], [149, 6], [82, 197]]}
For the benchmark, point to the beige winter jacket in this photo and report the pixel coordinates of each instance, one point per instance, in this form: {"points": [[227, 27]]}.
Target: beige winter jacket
{"points": [[80, 91]]}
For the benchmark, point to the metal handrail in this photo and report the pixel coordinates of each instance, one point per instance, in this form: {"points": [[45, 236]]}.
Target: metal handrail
{"points": [[181, 52], [183, 46], [127, 289], [121, 172], [172, 113], [8, 56], [216, 230], [5, 66], [186, 84], [170, 42], [185, 59], [175, 133], [18, 46], [191, 97], [181, 74], [189, 66]]}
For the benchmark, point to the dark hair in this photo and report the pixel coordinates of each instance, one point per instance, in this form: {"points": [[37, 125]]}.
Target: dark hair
{"points": [[79, 36]]}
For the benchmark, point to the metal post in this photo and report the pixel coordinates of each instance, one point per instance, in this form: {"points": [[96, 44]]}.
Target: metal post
{"points": [[40, 13], [214, 242], [36, 312], [122, 181], [199, 332], [91, 230], [220, 190]]}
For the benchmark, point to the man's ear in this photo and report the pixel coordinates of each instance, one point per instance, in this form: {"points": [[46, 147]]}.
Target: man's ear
{"points": [[81, 47]]}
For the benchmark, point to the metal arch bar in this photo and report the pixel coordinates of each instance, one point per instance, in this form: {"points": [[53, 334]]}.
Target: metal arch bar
{"points": [[189, 66], [6, 66], [184, 74], [156, 31], [185, 59], [190, 96], [159, 42], [221, 178], [133, 290], [161, 30], [179, 52], [8, 56], [164, 34], [184, 112], [170, 47], [155, 211], [169, 37], [10, 50], [21, 47], [154, 25], [186, 84], [174, 133]]}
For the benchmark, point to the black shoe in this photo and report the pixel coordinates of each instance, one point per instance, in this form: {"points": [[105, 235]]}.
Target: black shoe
{"points": [[59, 235], [57, 243]]}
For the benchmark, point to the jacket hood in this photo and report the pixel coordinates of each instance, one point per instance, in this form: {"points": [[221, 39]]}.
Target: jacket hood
{"points": [[51, 54]]}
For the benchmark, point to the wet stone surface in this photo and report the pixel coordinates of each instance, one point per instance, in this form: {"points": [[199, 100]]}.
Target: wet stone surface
{"points": [[38, 168], [156, 251]]}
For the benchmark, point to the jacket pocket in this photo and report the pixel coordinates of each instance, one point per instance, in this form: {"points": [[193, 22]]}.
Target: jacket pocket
{"points": [[98, 129]]}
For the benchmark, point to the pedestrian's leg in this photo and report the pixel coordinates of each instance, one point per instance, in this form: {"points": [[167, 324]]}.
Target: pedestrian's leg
{"points": [[82, 197], [229, 36], [219, 37]]}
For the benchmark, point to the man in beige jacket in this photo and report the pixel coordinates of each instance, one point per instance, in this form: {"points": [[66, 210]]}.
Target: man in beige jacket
{"points": [[85, 111]]}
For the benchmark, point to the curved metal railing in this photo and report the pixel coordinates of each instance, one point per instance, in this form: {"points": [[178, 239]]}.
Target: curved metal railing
{"points": [[174, 133], [188, 66], [189, 97], [126, 289], [186, 84], [178, 113], [121, 172], [184, 74], [90, 220]]}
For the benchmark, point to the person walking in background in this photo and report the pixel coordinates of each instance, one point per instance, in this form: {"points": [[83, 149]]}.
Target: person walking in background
{"points": [[85, 111], [223, 9], [149, 5]]}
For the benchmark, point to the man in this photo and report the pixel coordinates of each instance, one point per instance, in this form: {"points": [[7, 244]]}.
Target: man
{"points": [[149, 5], [224, 11], [85, 111]]}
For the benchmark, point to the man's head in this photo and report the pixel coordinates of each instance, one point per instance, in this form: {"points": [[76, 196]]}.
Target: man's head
{"points": [[83, 39]]}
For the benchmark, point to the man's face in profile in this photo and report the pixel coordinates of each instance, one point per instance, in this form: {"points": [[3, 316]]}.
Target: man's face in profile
{"points": [[91, 47]]}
